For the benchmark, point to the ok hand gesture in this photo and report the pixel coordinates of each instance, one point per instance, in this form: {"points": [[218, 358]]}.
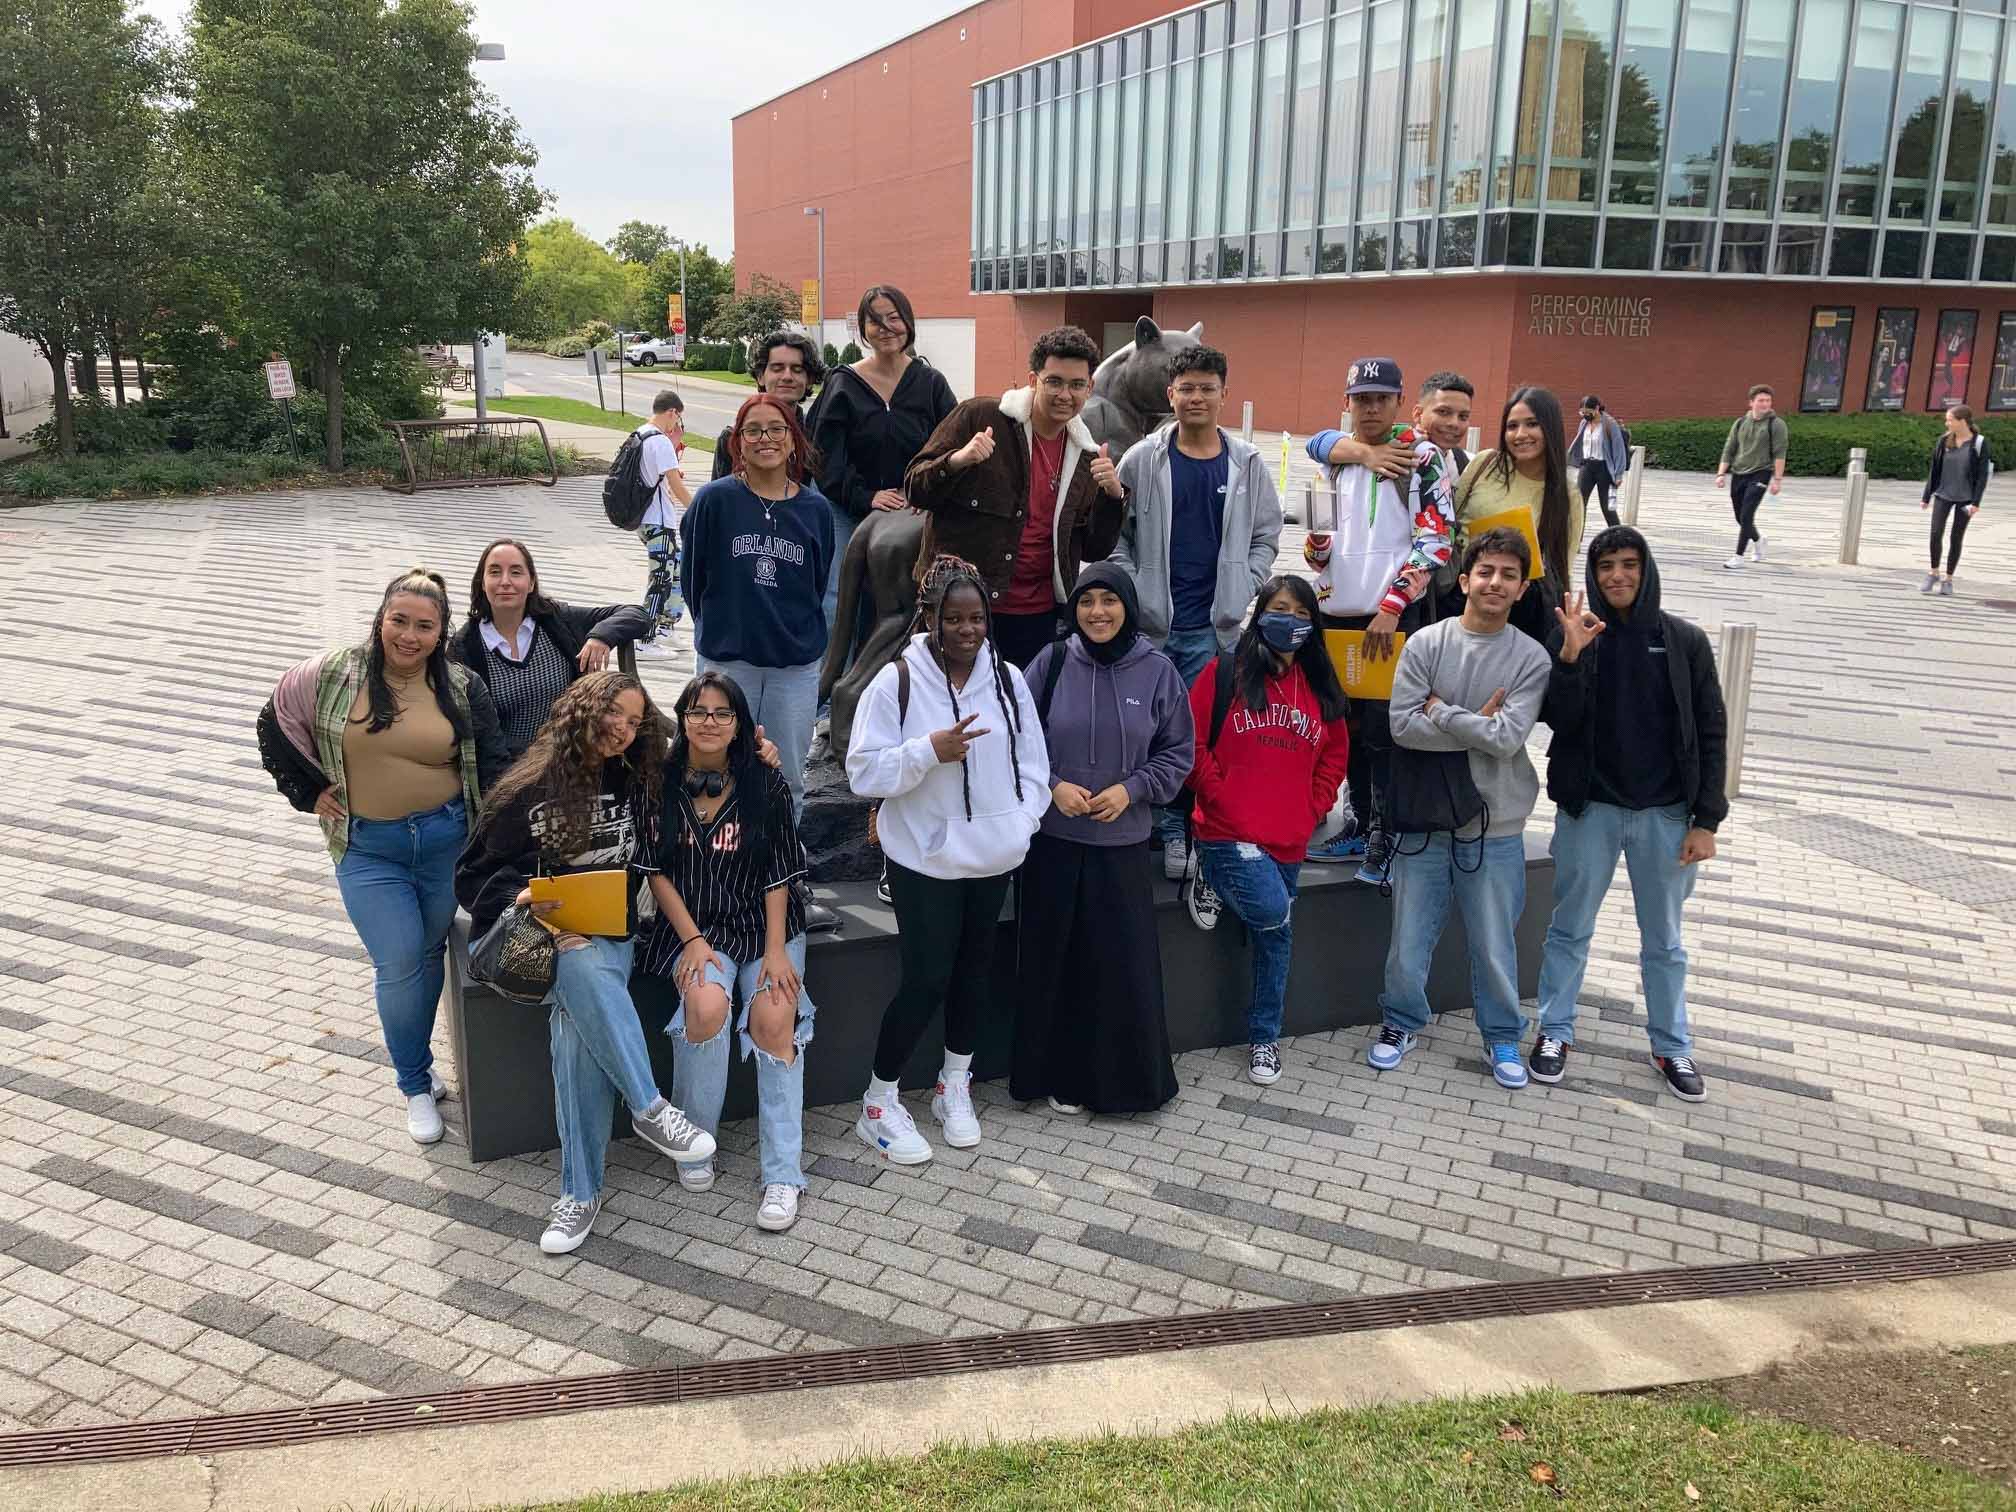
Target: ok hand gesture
{"points": [[1578, 627]]}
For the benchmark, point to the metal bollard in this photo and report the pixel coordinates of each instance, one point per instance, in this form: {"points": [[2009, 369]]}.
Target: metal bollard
{"points": [[1473, 440], [1246, 422], [1739, 652], [1851, 506], [1633, 484]]}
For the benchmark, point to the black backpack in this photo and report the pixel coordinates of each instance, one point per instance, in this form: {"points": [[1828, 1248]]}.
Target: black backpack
{"points": [[625, 494]]}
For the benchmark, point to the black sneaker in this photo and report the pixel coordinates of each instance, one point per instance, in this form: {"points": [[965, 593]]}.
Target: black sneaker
{"points": [[1549, 1060], [1263, 1065], [1682, 1077], [1378, 861], [882, 887]]}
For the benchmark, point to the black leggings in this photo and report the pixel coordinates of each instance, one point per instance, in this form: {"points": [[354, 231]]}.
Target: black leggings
{"points": [[1595, 477], [1941, 510], [1746, 496], [945, 942]]}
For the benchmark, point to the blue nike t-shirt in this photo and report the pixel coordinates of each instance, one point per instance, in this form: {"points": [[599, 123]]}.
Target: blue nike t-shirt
{"points": [[1196, 531]]}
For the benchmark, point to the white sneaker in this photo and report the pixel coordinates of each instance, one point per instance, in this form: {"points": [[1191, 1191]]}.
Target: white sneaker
{"points": [[1065, 1108], [779, 1208], [696, 1175], [655, 649], [892, 1132], [1734, 561], [1176, 859], [952, 1106], [438, 1087], [1757, 549], [423, 1119]]}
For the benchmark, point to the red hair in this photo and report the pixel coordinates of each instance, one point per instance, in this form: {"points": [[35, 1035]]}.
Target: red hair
{"points": [[801, 447]]}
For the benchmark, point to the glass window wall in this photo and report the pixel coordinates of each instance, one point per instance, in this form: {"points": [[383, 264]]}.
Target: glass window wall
{"points": [[1967, 133], [1469, 107], [1644, 91], [1581, 105], [1700, 105], [1812, 108], [1382, 113], [1759, 108], [1921, 104], [1522, 93], [1421, 135], [1865, 120]]}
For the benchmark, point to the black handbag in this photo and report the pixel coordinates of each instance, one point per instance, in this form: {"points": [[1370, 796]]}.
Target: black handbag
{"points": [[516, 957], [1430, 792]]}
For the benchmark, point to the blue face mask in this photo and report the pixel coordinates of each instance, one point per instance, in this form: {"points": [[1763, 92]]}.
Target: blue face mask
{"points": [[1284, 633]]}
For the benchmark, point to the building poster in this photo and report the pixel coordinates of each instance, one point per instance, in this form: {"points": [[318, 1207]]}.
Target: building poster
{"points": [[1952, 359], [2002, 379], [1827, 357], [1890, 359]]}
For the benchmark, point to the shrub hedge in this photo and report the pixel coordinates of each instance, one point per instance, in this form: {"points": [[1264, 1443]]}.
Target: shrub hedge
{"points": [[711, 356], [1900, 446], [158, 474]]}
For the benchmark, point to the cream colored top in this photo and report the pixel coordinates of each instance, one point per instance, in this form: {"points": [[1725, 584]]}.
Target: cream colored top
{"points": [[410, 766], [1480, 493]]}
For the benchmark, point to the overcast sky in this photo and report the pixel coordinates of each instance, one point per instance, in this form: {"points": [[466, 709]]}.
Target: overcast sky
{"points": [[628, 103]]}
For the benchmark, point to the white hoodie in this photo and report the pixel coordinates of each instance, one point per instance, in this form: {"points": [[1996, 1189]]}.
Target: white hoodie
{"points": [[923, 821]]}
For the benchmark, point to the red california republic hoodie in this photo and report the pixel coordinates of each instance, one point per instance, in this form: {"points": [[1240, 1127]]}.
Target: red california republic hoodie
{"points": [[1274, 773]]}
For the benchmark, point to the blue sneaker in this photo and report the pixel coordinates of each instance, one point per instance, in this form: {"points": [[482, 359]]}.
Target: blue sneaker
{"points": [[1378, 865], [1389, 1049], [1507, 1066], [1343, 847]]}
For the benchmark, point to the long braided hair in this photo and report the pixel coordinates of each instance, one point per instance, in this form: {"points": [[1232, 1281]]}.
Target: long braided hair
{"points": [[946, 573]]}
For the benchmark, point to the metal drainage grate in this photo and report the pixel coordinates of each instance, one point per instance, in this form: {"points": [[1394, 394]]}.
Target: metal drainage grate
{"points": [[1061, 1346]]}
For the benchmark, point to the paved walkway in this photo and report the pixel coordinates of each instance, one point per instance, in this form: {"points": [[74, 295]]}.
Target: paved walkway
{"points": [[208, 1201]]}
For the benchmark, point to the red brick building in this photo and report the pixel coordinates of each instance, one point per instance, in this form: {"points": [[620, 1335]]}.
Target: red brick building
{"points": [[1662, 203]]}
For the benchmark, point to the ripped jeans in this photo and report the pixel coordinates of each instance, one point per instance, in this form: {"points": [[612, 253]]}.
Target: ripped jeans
{"points": [[700, 1072], [1261, 891]]}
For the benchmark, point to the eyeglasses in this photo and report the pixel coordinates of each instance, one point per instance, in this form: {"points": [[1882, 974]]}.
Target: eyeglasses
{"points": [[1198, 391], [710, 716], [1065, 385], [765, 432]]}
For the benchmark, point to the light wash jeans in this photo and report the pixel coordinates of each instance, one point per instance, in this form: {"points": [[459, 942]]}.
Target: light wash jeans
{"points": [[1261, 891], [785, 701], [1192, 651], [1490, 891], [1585, 852], [397, 879], [844, 526], [598, 1056], [700, 1072]]}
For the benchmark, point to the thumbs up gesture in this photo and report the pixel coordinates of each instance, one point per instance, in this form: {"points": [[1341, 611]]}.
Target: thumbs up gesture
{"points": [[1106, 475]]}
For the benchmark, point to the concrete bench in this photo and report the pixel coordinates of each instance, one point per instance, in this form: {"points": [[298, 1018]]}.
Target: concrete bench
{"points": [[1341, 932]]}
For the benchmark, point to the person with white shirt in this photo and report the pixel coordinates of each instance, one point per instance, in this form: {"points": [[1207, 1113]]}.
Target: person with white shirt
{"points": [[948, 737], [664, 439]]}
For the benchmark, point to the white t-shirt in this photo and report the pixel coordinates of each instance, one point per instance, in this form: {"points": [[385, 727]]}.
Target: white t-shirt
{"points": [[660, 457]]}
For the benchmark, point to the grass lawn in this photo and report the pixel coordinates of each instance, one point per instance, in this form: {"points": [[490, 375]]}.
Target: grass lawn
{"points": [[719, 375], [577, 412], [1538, 1450]]}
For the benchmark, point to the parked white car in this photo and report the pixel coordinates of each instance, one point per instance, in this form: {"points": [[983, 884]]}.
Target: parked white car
{"points": [[649, 353]]}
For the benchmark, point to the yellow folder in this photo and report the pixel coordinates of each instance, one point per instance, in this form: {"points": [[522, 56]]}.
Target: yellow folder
{"points": [[591, 902], [1518, 518], [1361, 675]]}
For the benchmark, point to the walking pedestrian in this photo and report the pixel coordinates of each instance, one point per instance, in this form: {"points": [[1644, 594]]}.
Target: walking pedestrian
{"points": [[1090, 1029], [664, 441], [757, 547], [1600, 455], [732, 928], [1200, 534], [947, 737], [1273, 748], [392, 746], [527, 647], [1752, 465], [588, 796], [1960, 469]]}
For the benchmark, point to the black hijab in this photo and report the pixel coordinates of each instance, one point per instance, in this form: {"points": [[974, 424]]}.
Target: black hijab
{"points": [[1115, 580]]}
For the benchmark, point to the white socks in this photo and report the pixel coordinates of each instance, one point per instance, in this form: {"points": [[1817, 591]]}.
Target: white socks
{"points": [[955, 1065], [880, 1093]]}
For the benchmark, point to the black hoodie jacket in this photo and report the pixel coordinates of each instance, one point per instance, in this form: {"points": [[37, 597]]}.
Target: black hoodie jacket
{"points": [[1574, 697]]}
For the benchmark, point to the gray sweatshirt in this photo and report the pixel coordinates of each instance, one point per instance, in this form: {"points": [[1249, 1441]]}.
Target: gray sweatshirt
{"points": [[1463, 669]]}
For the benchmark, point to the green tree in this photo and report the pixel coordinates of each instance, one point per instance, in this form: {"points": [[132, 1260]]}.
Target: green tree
{"points": [[571, 279], [709, 281], [79, 117], [763, 307], [364, 190], [639, 242]]}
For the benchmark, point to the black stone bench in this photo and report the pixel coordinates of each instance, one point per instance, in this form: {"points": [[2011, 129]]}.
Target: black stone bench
{"points": [[1341, 931]]}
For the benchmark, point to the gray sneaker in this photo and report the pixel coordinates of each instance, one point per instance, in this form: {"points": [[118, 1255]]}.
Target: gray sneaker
{"points": [[1176, 858], [569, 1226], [1931, 582], [1945, 587], [671, 1134]]}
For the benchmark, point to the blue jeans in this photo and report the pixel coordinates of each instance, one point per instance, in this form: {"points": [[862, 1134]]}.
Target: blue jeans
{"points": [[398, 883], [661, 588], [598, 1055], [844, 526], [1585, 854], [700, 1072], [785, 701], [1192, 651], [1261, 891], [1490, 890]]}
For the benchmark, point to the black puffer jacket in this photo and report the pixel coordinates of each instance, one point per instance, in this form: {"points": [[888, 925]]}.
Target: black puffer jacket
{"points": [[1570, 706]]}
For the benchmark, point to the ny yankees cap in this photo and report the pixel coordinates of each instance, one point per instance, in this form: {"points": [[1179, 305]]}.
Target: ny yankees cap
{"points": [[1373, 375]]}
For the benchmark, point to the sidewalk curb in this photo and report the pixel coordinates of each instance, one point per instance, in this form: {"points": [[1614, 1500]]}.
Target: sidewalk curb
{"points": [[640, 1449]]}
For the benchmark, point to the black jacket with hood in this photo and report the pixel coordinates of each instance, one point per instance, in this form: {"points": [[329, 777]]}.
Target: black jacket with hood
{"points": [[1571, 702], [1979, 465]]}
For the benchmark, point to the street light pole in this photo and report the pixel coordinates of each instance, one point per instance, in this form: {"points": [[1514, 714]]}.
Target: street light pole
{"points": [[819, 211], [486, 52]]}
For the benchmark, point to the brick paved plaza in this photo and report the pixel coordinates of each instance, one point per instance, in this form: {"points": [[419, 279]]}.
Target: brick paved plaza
{"points": [[208, 1200]]}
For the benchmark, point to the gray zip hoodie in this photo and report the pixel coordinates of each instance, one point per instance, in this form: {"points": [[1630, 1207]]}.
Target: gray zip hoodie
{"points": [[1251, 533]]}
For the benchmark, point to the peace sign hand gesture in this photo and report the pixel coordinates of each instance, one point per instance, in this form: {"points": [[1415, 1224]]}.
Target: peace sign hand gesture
{"points": [[950, 745]]}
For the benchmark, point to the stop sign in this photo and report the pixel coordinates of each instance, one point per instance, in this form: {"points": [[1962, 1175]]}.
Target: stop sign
{"points": [[679, 327]]}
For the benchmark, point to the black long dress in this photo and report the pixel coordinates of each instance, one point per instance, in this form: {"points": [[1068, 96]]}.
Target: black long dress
{"points": [[1089, 1025]]}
